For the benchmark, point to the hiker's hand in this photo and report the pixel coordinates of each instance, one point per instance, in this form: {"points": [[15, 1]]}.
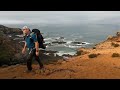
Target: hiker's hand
{"points": [[23, 51], [37, 53]]}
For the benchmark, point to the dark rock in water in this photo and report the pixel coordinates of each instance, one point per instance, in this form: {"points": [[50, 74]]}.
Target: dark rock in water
{"points": [[76, 42], [49, 44], [59, 42], [61, 38], [50, 51], [83, 43], [66, 55]]}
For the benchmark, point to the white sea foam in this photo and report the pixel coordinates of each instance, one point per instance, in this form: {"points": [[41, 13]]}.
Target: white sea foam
{"points": [[60, 53], [75, 46], [68, 42], [47, 39], [86, 42]]}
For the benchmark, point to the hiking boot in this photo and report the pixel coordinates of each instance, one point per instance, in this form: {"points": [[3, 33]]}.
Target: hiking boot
{"points": [[42, 70]]}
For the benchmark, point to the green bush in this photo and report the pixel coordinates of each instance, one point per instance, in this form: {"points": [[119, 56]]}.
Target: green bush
{"points": [[93, 55], [114, 44], [79, 52], [94, 47], [115, 55]]}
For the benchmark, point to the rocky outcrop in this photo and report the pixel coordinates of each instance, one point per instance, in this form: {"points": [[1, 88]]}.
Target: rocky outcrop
{"points": [[8, 47], [114, 38], [8, 30], [6, 50], [118, 34]]}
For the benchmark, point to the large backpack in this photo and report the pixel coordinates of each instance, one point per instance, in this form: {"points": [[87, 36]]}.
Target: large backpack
{"points": [[39, 38]]}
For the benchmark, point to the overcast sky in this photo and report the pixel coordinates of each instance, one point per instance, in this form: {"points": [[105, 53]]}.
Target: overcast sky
{"points": [[57, 17]]}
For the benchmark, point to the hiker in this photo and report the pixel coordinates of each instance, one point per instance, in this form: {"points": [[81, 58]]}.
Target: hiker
{"points": [[33, 48]]}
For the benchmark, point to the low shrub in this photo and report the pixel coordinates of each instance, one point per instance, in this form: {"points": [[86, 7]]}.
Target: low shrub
{"points": [[92, 55], [115, 44], [115, 55]]}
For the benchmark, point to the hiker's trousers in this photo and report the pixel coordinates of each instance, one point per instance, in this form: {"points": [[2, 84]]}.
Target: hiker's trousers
{"points": [[31, 54]]}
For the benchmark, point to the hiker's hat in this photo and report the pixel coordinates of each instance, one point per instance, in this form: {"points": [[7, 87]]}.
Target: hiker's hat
{"points": [[25, 27]]}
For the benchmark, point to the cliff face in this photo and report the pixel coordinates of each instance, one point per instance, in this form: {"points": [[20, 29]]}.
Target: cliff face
{"points": [[8, 47]]}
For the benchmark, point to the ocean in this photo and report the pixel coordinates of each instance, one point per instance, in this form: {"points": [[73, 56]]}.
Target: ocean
{"points": [[67, 39]]}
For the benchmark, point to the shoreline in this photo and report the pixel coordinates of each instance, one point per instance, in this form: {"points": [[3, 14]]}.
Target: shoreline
{"points": [[102, 61], [102, 66]]}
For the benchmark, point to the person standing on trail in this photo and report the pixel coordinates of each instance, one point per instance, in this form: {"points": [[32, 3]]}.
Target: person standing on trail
{"points": [[33, 48]]}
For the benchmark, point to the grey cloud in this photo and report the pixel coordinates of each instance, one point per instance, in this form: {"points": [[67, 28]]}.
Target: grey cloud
{"points": [[56, 17]]}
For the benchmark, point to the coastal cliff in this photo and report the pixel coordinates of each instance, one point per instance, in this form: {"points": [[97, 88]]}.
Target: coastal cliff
{"points": [[99, 62]]}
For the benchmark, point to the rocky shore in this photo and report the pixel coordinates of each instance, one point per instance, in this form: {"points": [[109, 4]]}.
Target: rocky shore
{"points": [[102, 61]]}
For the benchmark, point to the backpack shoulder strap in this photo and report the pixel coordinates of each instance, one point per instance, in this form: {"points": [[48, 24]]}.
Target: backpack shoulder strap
{"points": [[31, 36]]}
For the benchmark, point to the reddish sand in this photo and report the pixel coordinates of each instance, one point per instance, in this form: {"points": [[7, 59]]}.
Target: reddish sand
{"points": [[103, 66]]}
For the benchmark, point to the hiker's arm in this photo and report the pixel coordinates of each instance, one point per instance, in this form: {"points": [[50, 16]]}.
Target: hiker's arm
{"points": [[34, 37], [36, 44], [24, 48], [37, 48]]}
